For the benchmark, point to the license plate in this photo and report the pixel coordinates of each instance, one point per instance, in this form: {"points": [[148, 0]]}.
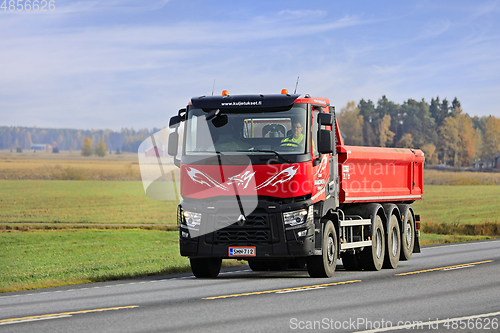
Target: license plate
{"points": [[242, 251]]}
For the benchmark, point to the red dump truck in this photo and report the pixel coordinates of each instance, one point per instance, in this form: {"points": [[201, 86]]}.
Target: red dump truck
{"points": [[268, 179]]}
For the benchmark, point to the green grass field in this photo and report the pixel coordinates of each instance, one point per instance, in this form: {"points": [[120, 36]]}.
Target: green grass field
{"points": [[108, 202], [459, 204]]}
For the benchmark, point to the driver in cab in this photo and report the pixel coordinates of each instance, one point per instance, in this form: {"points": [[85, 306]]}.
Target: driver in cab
{"points": [[297, 139]]}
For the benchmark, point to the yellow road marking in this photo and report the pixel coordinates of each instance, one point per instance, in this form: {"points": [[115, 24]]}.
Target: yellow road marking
{"points": [[447, 267], [282, 290], [55, 315]]}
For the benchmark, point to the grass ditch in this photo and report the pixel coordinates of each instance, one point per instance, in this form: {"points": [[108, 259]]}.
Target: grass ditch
{"points": [[436, 239], [87, 202], [478, 229]]}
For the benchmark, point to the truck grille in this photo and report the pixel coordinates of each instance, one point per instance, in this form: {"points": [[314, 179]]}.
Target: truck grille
{"points": [[251, 236], [256, 229], [252, 221]]}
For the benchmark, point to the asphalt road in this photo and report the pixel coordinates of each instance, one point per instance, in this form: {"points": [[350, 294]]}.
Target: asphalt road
{"points": [[445, 288]]}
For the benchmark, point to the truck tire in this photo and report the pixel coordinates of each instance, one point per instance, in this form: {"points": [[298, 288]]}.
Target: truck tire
{"points": [[393, 243], [324, 265], [373, 257], [407, 233], [351, 261], [257, 265], [205, 267]]}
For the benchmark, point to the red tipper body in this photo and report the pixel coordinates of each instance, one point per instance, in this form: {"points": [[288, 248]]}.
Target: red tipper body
{"points": [[369, 174]]}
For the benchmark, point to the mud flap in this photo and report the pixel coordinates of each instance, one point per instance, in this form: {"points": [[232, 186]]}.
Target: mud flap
{"points": [[416, 245]]}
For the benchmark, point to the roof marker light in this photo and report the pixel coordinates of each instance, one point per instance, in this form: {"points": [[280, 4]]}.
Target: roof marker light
{"points": [[225, 93], [284, 91]]}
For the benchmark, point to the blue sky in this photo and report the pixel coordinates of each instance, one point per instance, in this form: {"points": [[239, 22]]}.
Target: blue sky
{"points": [[114, 64]]}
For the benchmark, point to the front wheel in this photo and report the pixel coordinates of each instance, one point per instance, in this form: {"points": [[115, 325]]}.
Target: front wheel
{"points": [[205, 267], [324, 265]]}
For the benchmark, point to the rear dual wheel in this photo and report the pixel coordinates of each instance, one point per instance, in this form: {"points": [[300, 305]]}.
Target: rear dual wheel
{"points": [[373, 257], [407, 235], [393, 248]]}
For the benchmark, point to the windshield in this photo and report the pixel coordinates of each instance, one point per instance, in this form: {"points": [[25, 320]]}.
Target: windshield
{"points": [[250, 132]]}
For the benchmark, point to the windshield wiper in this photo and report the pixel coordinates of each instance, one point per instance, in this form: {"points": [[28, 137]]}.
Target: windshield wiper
{"points": [[267, 151]]}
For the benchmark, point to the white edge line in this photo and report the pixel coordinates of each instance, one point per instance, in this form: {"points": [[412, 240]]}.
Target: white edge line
{"points": [[296, 290], [428, 323], [453, 268], [33, 319]]}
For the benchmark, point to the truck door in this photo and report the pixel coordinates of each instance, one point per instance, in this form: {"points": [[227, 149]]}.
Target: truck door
{"points": [[321, 172]]}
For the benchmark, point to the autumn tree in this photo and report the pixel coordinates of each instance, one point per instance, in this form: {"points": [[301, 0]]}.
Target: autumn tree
{"points": [[467, 139], [100, 150], [87, 147], [385, 134], [448, 140], [351, 122], [491, 138], [406, 141], [429, 150]]}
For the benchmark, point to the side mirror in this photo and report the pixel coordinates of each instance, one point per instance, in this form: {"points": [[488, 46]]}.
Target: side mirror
{"points": [[174, 121], [326, 119], [173, 143], [326, 141]]}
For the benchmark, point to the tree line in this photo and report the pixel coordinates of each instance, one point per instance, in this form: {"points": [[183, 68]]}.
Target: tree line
{"points": [[71, 139], [441, 129]]}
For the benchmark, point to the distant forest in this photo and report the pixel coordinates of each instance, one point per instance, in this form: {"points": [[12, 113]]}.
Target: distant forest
{"points": [[441, 129], [71, 139]]}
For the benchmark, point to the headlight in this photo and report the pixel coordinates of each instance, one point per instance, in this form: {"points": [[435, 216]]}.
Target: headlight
{"points": [[191, 219], [298, 217]]}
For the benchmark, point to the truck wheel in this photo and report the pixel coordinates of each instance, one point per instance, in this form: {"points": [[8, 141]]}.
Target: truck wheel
{"points": [[407, 235], [325, 264], [257, 265], [393, 243], [351, 261], [205, 267], [373, 257]]}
